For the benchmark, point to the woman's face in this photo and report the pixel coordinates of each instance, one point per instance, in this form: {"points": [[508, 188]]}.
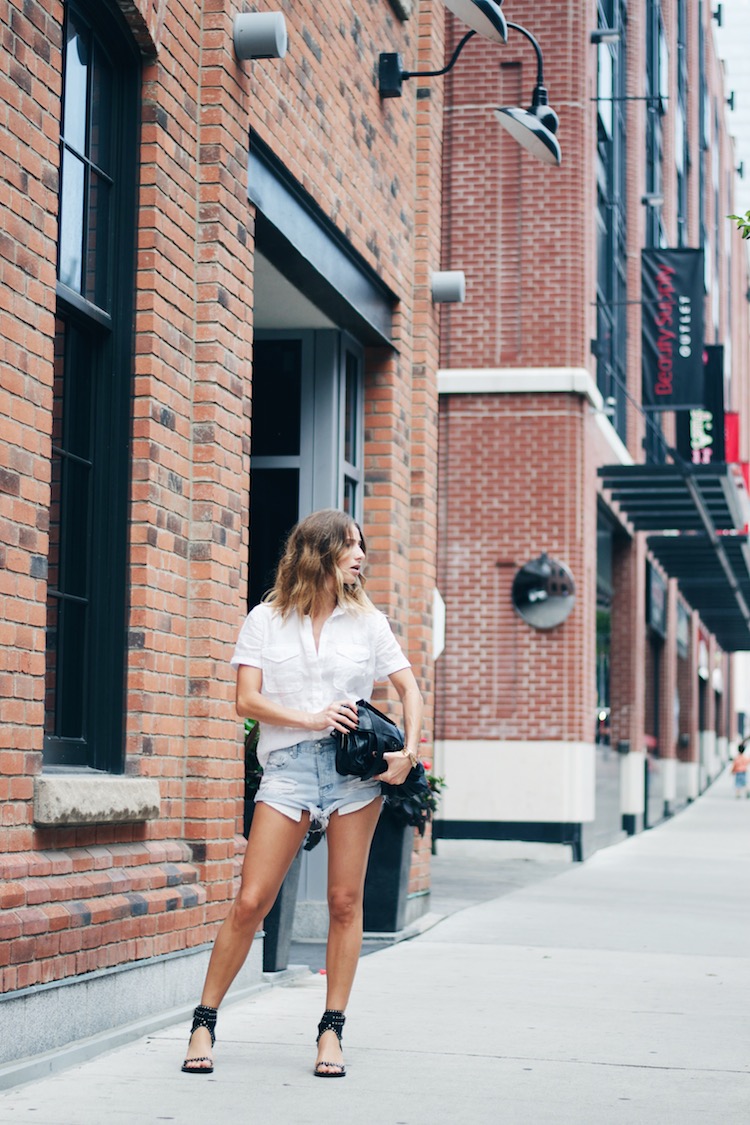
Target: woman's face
{"points": [[351, 558]]}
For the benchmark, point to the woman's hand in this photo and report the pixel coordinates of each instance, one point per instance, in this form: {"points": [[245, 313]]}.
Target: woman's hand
{"points": [[399, 768], [341, 715]]}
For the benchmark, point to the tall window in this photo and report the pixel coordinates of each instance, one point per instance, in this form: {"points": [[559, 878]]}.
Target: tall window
{"points": [[681, 139], [86, 616], [611, 218], [718, 213], [307, 438], [657, 92]]}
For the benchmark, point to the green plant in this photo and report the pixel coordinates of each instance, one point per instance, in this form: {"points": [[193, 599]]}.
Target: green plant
{"points": [[253, 768], [414, 802], [743, 223]]}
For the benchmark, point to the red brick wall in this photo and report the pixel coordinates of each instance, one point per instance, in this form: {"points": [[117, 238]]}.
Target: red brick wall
{"points": [[688, 689], [29, 86], [524, 233], [503, 505], [509, 220], [358, 157]]}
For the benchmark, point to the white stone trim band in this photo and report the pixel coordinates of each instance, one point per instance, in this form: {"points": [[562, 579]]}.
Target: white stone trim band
{"points": [[550, 782], [520, 380], [79, 799]]}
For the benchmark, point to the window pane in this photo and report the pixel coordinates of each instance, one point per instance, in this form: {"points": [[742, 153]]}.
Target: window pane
{"points": [[274, 510], [69, 534], [350, 497], [605, 87], [351, 409], [97, 257], [277, 389], [74, 510], [71, 221], [76, 85], [77, 435], [70, 686], [100, 140]]}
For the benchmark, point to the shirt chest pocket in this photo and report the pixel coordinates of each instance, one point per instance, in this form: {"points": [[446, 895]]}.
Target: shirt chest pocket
{"points": [[282, 669], [352, 667]]}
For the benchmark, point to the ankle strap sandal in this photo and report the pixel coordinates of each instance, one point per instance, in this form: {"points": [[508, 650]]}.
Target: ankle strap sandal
{"points": [[334, 1021], [203, 1016]]}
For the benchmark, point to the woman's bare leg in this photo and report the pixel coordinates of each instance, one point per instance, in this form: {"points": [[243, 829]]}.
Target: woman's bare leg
{"points": [[273, 843], [349, 839]]}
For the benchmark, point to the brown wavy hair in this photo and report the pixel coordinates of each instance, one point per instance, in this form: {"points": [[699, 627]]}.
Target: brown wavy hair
{"points": [[312, 550]]}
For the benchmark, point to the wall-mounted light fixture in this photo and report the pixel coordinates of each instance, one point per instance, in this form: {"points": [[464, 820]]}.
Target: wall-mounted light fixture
{"points": [[652, 199], [606, 35], [448, 287], [718, 15], [730, 101], [260, 35], [484, 17], [741, 169], [534, 128]]}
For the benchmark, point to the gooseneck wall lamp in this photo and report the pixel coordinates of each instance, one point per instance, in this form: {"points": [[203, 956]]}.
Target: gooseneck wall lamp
{"points": [[483, 16], [534, 128]]}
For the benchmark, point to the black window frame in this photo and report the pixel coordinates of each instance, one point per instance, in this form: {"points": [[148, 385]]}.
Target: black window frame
{"points": [[682, 137], [96, 662], [611, 218], [656, 105]]}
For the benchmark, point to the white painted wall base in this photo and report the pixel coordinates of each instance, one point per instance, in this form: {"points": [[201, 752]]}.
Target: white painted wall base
{"points": [[693, 779], [49, 1017], [486, 780], [669, 779], [632, 787], [722, 750], [708, 759]]}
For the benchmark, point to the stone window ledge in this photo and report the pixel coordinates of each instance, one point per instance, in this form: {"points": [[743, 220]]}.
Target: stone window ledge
{"points": [[68, 800]]}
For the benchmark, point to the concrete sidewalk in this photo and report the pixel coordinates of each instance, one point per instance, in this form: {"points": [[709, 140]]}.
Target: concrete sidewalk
{"points": [[611, 992]]}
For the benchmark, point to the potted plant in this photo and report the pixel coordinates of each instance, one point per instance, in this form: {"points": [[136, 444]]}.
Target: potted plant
{"points": [[406, 807]]}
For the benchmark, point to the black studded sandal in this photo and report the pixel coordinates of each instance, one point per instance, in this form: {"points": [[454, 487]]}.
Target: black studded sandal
{"points": [[332, 1020], [203, 1016]]}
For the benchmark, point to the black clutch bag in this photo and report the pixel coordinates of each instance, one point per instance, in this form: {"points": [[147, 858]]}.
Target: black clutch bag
{"points": [[360, 752]]}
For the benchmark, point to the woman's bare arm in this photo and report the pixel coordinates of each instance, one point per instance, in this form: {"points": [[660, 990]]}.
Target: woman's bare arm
{"points": [[251, 704], [399, 766]]}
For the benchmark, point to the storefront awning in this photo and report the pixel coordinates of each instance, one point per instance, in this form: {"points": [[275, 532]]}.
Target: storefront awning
{"points": [[714, 577], [702, 508], [675, 497]]}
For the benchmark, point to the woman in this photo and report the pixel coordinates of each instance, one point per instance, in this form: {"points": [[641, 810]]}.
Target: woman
{"points": [[304, 656]]}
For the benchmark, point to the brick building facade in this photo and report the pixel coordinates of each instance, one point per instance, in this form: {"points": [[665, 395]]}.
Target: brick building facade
{"points": [[216, 316], [189, 241], [616, 717]]}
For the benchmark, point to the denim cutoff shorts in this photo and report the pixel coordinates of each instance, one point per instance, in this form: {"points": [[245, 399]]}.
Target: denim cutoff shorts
{"points": [[740, 780], [303, 778]]}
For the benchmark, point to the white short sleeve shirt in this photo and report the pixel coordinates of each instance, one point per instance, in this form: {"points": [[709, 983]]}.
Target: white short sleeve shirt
{"points": [[355, 650]]}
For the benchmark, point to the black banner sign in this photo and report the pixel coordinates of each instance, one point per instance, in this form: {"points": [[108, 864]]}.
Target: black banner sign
{"points": [[672, 333], [700, 432]]}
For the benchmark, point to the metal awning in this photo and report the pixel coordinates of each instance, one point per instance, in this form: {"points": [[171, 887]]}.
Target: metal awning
{"points": [[706, 550], [670, 497], [717, 587]]}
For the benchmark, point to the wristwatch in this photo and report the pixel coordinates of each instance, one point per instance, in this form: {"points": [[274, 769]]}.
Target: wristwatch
{"points": [[411, 756]]}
